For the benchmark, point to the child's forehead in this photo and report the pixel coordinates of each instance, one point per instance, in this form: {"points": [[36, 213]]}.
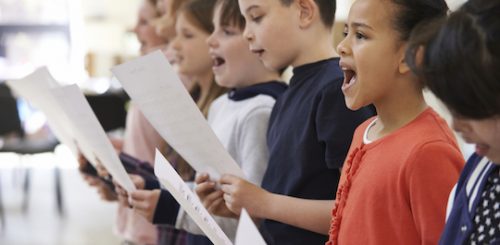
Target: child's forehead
{"points": [[246, 5]]}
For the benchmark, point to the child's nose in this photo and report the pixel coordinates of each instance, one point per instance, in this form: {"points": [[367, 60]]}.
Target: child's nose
{"points": [[342, 48], [211, 41], [248, 34]]}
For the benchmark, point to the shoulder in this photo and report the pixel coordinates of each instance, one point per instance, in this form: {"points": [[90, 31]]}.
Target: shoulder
{"points": [[360, 130], [437, 156], [428, 130], [331, 77], [219, 101], [258, 106], [472, 171]]}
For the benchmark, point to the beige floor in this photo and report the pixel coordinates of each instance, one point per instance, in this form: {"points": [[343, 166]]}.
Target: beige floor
{"points": [[87, 219]]}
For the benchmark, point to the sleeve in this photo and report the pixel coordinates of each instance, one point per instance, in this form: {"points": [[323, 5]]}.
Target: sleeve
{"points": [[336, 124], [252, 145], [167, 209], [431, 175]]}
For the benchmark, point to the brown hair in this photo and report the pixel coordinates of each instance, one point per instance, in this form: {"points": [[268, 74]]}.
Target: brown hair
{"points": [[230, 14], [165, 25], [200, 13]]}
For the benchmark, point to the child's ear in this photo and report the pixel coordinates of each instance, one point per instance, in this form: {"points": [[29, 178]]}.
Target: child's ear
{"points": [[308, 11], [403, 67]]}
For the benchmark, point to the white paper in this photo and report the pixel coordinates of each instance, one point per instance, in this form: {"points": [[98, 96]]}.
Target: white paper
{"points": [[34, 88], [247, 233], [169, 178], [80, 114], [155, 87]]}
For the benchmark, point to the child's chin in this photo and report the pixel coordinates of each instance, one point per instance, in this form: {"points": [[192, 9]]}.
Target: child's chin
{"points": [[352, 105]]}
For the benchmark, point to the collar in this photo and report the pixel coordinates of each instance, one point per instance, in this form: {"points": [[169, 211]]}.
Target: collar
{"points": [[272, 88]]}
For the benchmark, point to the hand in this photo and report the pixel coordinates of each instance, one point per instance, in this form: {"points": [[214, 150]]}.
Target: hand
{"points": [[117, 144], [122, 195], [82, 161], [239, 193], [211, 197], [101, 170], [105, 192], [138, 181], [145, 202]]}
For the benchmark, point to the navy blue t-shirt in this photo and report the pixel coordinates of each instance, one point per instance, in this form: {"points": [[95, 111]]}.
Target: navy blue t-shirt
{"points": [[310, 132]]}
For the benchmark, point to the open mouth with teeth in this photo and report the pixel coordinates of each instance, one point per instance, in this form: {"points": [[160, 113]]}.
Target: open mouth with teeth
{"points": [[349, 78]]}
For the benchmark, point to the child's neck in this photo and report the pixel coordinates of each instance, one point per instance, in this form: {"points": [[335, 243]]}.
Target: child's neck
{"points": [[205, 82], [316, 49], [394, 113], [259, 79]]}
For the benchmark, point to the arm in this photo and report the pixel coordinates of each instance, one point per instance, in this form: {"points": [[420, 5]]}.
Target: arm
{"points": [[313, 215], [431, 176]]}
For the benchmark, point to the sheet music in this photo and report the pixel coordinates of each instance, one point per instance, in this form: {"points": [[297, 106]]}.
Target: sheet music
{"points": [[89, 131], [188, 200], [155, 87], [247, 233], [34, 88]]}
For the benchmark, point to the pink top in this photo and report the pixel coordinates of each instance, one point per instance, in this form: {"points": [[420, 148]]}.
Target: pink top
{"points": [[140, 141]]}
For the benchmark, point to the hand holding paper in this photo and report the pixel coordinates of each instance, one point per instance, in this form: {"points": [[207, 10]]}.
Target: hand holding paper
{"points": [[188, 200], [89, 130]]}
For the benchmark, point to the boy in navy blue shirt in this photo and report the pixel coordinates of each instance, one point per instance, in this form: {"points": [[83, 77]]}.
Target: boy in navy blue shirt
{"points": [[310, 128]]}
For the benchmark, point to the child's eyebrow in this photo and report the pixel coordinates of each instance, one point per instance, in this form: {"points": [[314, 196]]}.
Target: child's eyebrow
{"points": [[358, 25], [250, 8]]}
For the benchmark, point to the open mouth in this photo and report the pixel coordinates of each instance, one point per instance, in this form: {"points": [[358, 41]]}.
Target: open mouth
{"points": [[259, 52], [218, 61], [349, 78]]}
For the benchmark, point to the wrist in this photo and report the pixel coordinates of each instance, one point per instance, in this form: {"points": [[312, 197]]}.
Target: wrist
{"points": [[265, 207]]}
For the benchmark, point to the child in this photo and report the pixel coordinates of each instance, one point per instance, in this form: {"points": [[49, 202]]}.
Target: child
{"points": [[310, 128], [239, 118], [460, 65], [193, 26], [402, 163], [140, 138]]}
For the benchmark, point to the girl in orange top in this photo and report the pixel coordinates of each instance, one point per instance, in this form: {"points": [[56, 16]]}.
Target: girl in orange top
{"points": [[403, 163]]}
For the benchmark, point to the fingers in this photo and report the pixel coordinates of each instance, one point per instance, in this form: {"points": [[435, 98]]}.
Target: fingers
{"points": [[215, 206], [92, 181], [120, 191], [229, 189], [229, 179], [204, 189], [228, 199], [138, 181], [145, 202], [202, 177], [209, 199], [140, 199]]}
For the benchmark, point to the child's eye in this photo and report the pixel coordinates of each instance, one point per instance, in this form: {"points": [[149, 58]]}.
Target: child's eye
{"points": [[227, 32], [345, 32], [360, 35], [257, 19]]}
